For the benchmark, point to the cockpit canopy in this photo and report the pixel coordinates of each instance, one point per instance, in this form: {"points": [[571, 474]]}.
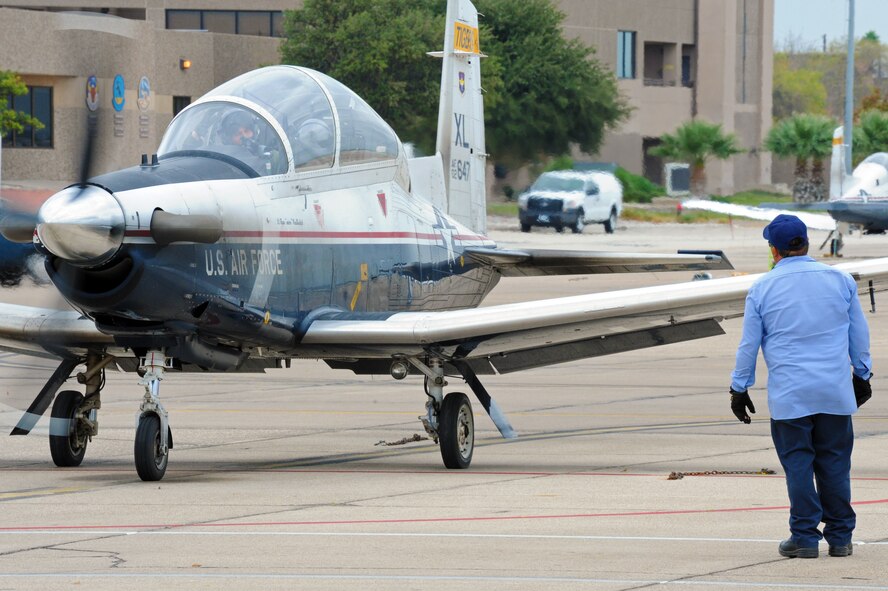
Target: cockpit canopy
{"points": [[281, 118], [880, 158]]}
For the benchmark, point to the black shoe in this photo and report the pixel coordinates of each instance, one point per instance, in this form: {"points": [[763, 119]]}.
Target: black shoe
{"points": [[845, 550], [790, 549]]}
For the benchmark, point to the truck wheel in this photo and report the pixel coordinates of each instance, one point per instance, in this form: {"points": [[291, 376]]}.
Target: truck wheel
{"points": [[611, 223], [578, 226]]}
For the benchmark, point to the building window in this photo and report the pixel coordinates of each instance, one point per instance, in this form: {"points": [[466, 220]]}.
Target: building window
{"points": [[37, 103], [263, 23], [188, 20], [220, 21], [687, 65], [626, 54], [254, 23], [659, 64], [179, 103]]}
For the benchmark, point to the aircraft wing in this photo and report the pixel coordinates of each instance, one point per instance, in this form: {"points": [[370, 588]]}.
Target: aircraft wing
{"points": [[514, 337], [814, 221], [527, 262], [45, 332]]}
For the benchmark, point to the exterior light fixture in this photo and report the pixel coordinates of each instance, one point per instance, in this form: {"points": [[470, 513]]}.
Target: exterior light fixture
{"points": [[184, 63]]}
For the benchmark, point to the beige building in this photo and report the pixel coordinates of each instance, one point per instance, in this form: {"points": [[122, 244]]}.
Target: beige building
{"points": [[163, 52], [681, 59], [675, 60]]}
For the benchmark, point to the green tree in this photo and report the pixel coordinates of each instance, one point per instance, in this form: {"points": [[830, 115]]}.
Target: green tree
{"points": [[695, 142], [378, 49], [870, 134], [543, 93], [808, 139], [798, 90], [10, 119]]}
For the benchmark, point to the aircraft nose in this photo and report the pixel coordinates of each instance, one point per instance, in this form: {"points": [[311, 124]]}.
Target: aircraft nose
{"points": [[82, 224]]}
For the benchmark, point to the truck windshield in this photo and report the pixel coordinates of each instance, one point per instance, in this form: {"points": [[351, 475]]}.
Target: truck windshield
{"points": [[558, 183]]}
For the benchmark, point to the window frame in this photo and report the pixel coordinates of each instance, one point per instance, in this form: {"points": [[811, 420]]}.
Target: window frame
{"points": [[622, 46], [9, 140], [202, 13]]}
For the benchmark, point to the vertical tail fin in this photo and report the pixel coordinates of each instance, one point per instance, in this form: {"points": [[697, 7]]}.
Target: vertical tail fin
{"points": [[837, 164], [461, 118]]}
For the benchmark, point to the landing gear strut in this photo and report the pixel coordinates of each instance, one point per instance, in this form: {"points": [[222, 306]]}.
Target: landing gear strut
{"points": [[448, 420], [154, 439], [74, 423]]}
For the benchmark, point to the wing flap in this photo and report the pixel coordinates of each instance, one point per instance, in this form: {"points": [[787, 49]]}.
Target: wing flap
{"points": [[536, 262], [530, 334]]}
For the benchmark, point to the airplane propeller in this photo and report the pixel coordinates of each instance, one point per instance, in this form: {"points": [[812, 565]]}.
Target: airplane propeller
{"points": [[84, 224], [18, 226]]}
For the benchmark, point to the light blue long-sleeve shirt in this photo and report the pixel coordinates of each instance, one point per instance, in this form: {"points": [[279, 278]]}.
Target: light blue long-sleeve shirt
{"points": [[807, 319]]}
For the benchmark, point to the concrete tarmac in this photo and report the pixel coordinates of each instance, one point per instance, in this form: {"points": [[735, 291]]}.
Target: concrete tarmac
{"points": [[285, 481]]}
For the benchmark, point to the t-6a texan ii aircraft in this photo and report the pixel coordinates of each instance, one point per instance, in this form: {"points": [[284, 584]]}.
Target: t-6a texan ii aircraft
{"points": [[283, 220], [860, 198]]}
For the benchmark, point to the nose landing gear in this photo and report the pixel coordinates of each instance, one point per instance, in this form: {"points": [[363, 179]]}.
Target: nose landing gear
{"points": [[154, 439]]}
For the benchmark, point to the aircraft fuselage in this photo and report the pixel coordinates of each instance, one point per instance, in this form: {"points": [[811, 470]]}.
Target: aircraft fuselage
{"points": [[290, 247]]}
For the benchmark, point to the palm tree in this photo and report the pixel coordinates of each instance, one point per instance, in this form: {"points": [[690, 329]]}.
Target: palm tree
{"points": [[695, 142], [871, 134], [806, 138]]}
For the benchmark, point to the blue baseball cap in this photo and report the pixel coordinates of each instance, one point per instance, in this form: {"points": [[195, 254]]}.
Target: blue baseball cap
{"points": [[786, 232]]}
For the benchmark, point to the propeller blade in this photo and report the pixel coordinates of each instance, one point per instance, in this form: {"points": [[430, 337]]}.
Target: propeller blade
{"points": [[167, 228], [88, 152]]}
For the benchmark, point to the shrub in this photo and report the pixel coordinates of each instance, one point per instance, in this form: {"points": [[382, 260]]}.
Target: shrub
{"points": [[637, 189]]}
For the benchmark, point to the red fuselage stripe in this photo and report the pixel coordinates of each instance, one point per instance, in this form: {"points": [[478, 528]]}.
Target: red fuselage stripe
{"points": [[294, 234]]}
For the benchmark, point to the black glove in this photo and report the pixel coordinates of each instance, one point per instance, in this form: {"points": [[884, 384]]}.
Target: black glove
{"points": [[862, 390], [740, 401]]}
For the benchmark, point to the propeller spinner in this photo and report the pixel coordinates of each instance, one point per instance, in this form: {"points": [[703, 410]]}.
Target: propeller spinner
{"points": [[81, 224]]}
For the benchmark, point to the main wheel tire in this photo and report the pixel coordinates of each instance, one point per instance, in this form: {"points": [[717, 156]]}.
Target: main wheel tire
{"points": [[610, 225], [65, 447], [578, 226], [456, 431], [151, 463], [525, 227]]}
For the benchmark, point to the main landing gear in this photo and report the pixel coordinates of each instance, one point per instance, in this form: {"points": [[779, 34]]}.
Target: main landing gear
{"points": [[448, 419], [73, 421]]}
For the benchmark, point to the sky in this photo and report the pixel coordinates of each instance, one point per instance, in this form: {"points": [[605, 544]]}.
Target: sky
{"points": [[806, 21]]}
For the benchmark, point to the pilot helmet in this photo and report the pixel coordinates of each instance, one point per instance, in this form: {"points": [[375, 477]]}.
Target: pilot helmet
{"points": [[234, 121]]}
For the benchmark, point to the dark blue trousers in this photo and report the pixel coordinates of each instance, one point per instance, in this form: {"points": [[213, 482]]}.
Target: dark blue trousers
{"points": [[815, 452]]}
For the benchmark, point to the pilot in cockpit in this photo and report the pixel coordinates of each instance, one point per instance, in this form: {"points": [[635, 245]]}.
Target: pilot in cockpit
{"points": [[238, 129]]}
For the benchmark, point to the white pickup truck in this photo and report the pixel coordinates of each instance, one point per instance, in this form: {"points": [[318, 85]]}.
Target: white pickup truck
{"points": [[572, 199]]}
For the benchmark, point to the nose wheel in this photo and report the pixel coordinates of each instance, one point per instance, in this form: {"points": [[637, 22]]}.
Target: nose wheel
{"points": [[150, 452], [154, 439]]}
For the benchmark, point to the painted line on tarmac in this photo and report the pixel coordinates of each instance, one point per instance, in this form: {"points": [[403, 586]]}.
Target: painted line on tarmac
{"points": [[449, 578], [84, 527], [33, 493], [329, 534]]}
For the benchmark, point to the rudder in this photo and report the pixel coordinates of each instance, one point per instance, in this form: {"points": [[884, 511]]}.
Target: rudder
{"points": [[461, 118]]}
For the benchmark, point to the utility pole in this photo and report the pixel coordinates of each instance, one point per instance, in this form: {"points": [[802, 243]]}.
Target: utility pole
{"points": [[849, 90]]}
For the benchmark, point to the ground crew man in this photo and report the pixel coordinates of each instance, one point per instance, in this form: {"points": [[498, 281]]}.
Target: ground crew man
{"points": [[808, 321]]}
